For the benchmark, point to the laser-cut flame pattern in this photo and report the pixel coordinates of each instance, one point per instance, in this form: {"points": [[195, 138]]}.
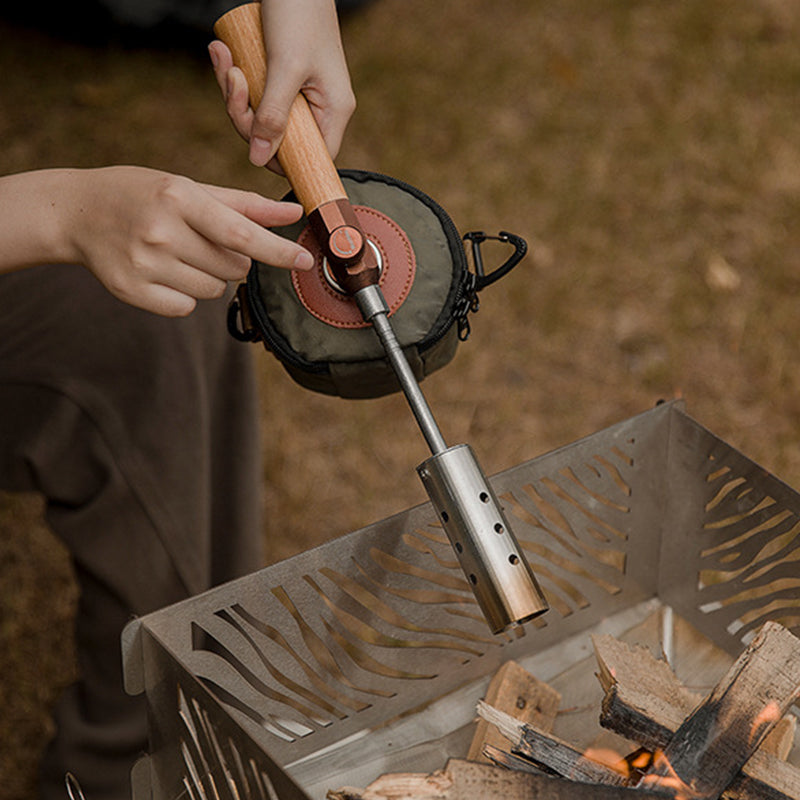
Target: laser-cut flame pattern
{"points": [[581, 513], [214, 767], [331, 643], [750, 558]]}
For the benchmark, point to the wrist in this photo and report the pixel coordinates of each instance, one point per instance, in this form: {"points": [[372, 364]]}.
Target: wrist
{"points": [[35, 218], [69, 213]]}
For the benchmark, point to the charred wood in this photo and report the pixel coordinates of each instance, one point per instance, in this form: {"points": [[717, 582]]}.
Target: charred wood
{"points": [[467, 780], [645, 702]]}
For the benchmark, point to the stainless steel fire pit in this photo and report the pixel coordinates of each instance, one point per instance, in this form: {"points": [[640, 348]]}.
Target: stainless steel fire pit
{"points": [[367, 654]]}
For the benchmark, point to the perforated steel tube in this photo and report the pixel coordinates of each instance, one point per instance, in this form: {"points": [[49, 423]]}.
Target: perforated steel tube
{"points": [[493, 563], [488, 552]]}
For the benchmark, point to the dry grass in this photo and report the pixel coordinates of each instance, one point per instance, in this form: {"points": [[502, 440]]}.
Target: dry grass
{"points": [[650, 153], [37, 603]]}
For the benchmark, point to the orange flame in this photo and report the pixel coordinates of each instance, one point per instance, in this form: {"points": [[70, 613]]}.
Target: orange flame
{"points": [[608, 758], [665, 777], [663, 774], [631, 767], [641, 760]]}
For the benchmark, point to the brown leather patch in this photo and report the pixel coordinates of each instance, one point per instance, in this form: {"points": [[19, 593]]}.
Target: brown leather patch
{"points": [[397, 276]]}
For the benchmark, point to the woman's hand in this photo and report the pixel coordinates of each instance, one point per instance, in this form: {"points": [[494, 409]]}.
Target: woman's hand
{"points": [[304, 53], [155, 240]]}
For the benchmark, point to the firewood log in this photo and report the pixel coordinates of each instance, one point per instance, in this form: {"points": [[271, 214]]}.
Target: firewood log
{"points": [[467, 780]]}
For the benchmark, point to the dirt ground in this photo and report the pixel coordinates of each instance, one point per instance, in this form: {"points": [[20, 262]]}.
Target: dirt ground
{"points": [[648, 151]]}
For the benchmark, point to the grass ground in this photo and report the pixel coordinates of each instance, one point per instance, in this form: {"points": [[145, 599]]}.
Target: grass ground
{"points": [[649, 152]]}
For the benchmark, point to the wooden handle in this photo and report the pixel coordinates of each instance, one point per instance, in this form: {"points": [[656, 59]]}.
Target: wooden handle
{"points": [[302, 153]]}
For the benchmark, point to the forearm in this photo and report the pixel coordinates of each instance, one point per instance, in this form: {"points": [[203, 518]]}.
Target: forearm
{"points": [[35, 211]]}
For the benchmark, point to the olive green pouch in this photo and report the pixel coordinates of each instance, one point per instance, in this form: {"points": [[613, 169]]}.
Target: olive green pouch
{"points": [[429, 323]]}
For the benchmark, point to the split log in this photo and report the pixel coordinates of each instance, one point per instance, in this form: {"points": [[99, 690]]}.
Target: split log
{"points": [[466, 780], [550, 753], [518, 693], [645, 702], [711, 746]]}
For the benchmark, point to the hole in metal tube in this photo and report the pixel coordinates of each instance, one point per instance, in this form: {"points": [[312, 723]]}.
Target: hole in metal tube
{"points": [[459, 547], [473, 579], [484, 497], [499, 528], [445, 517], [513, 559]]}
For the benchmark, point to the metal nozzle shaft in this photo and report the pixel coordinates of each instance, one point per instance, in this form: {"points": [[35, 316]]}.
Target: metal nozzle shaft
{"points": [[374, 309]]}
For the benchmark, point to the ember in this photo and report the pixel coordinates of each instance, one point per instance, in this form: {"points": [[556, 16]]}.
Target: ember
{"points": [[663, 776]]}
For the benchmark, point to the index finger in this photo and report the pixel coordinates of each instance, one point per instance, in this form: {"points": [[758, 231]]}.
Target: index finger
{"points": [[223, 217]]}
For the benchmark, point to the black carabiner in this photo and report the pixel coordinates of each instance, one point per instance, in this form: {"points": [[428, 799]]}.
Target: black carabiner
{"points": [[477, 238]]}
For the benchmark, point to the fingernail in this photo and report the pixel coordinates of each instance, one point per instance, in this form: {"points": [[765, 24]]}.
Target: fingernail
{"points": [[213, 56], [304, 261], [260, 150]]}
